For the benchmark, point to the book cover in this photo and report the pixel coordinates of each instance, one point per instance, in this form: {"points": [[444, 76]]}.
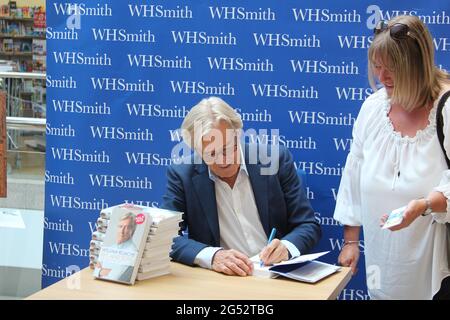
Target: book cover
{"points": [[39, 47], [8, 45], [4, 11], [39, 63], [155, 259], [123, 244], [12, 5]]}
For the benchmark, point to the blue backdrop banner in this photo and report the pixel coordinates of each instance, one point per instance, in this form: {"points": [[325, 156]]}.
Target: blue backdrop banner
{"points": [[122, 74]]}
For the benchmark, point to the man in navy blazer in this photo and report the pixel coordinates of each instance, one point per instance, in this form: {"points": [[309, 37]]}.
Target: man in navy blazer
{"points": [[233, 195]]}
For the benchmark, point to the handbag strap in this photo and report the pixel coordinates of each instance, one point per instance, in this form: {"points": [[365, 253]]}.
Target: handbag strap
{"points": [[440, 124]]}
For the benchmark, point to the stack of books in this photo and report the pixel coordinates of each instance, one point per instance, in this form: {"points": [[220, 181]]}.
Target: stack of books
{"points": [[153, 245], [164, 228]]}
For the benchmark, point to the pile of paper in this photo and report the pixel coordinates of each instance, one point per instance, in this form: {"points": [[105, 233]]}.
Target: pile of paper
{"points": [[164, 228]]}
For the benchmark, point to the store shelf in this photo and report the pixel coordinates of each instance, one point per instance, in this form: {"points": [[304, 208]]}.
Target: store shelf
{"points": [[3, 35], [17, 19], [16, 54]]}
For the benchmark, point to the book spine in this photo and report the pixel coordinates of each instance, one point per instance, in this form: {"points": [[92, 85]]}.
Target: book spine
{"points": [[98, 236], [102, 222]]}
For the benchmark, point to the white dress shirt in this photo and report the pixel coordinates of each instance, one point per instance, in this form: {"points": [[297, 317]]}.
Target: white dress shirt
{"points": [[239, 222]]}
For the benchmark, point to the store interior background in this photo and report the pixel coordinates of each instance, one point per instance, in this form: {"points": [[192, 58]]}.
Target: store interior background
{"points": [[22, 50]]}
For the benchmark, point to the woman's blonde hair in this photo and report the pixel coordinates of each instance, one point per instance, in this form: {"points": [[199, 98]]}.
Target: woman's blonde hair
{"points": [[411, 60], [204, 117]]}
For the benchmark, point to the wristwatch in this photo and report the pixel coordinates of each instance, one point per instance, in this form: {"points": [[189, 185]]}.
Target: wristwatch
{"points": [[428, 209]]}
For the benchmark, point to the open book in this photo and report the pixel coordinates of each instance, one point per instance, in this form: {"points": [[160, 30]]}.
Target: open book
{"points": [[303, 268]]}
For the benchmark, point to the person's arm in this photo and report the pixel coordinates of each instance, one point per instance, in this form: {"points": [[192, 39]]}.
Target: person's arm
{"points": [[348, 209], [349, 255], [305, 231], [417, 207], [184, 250], [278, 251], [205, 257], [438, 201], [440, 196], [232, 263]]}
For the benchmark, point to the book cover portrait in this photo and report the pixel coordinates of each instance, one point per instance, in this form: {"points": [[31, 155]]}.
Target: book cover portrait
{"points": [[123, 245]]}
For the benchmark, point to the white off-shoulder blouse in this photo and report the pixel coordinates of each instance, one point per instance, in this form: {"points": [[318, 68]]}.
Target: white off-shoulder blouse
{"points": [[384, 171]]}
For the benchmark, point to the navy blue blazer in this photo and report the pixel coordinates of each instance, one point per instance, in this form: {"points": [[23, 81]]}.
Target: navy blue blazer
{"points": [[280, 199]]}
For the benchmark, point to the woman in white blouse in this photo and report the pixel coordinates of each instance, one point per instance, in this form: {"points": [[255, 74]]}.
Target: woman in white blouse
{"points": [[396, 160]]}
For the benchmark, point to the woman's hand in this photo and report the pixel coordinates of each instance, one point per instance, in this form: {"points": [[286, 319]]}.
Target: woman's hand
{"points": [[413, 210], [349, 256]]}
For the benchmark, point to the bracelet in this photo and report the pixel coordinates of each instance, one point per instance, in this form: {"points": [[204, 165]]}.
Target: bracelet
{"points": [[428, 208], [350, 242]]}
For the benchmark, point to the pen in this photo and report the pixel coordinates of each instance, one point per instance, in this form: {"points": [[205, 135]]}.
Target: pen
{"points": [[272, 235]]}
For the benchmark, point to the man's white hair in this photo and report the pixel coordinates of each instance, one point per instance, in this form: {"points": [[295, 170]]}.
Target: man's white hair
{"points": [[206, 116], [130, 215]]}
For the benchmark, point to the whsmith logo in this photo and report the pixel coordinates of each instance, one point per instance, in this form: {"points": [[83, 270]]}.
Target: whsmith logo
{"points": [[353, 294], [67, 249], [77, 155], [61, 131], [62, 226], [353, 94], [159, 61], [319, 168], [286, 40], [71, 106], [284, 91], [322, 118], [103, 10], [146, 203], [323, 66], [441, 44], [55, 273], [325, 15], [326, 221], [254, 116], [148, 159], [203, 38], [156, 111], [239, 64], [120, 133], [300, 143], [123, 35], [355, 42], [67, 34], [241, 13], [342, 144], [160, 11], [120, 84], [63, 83], [377, 14], [59, 178], [200, 87], [71, 202], [79, 58], [113, 181]]}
